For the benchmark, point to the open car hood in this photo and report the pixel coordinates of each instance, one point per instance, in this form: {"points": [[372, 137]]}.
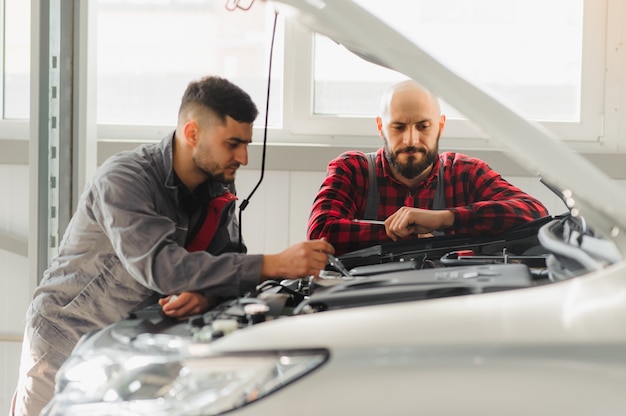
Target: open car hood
{"points": [[586, 190]]}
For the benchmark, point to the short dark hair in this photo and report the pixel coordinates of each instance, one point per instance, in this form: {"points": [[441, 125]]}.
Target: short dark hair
{"points": [[221, 97]]}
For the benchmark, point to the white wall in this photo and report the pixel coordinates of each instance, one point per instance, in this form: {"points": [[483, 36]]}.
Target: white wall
{"points": [[277, 214], [14, 279]]}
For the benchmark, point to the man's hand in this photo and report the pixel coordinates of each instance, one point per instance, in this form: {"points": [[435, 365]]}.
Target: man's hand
{"points": [[185, 304], [300, 260], [416, 221]]}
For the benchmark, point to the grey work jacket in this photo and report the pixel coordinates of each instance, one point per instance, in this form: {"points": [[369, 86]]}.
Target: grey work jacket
{"points": [[124, 248]]}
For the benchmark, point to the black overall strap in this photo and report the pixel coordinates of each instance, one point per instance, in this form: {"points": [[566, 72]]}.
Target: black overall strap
{"points": [[440, 195], [373, 197]]}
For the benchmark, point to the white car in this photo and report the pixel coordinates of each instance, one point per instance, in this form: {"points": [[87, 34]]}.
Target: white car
{"points": [[529, 323]]}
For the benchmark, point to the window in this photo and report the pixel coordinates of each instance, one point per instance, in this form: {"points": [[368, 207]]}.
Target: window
{"points": [[545, 58], [527, 51], [16, 63], [531, 54], [148, 51]]}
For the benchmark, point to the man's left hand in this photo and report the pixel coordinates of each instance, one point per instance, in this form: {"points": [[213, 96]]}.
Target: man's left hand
{"points": [[416, 221]]}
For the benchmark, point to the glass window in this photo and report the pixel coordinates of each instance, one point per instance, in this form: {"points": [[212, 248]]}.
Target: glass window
{"points": [[16, 63], [526, 52], [148, 51]]}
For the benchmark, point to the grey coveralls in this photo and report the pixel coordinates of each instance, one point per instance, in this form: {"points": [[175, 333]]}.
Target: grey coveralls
{"points": [[122, 250]]}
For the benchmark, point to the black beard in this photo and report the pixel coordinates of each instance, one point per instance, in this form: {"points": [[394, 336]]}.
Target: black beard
{"points": [[412, 169], [213, 177], [220, 178]]}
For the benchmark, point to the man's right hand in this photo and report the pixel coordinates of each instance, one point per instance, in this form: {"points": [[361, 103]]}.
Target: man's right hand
{"points": [[300, 260], [416, 221]]}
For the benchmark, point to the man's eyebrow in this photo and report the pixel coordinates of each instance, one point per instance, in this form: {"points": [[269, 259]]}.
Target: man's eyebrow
{"points": [[240, 140], [426, 120]]}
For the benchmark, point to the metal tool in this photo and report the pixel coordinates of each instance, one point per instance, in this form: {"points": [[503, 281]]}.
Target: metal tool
{"points": [[379, 222], [337, 264]]}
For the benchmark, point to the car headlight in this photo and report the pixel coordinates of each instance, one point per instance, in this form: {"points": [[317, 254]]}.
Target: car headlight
{"points": [[192, 381]]}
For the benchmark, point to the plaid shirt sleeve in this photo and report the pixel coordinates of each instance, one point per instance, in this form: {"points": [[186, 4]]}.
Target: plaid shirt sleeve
{"points": [[340, 199], [483, 202]]}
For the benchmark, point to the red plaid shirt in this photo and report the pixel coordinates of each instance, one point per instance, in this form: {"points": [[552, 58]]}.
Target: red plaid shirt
{"points": [[482, 202]]}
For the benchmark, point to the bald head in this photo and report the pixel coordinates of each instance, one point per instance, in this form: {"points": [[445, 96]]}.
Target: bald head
{"points": [[409, 94], [410, 123]]}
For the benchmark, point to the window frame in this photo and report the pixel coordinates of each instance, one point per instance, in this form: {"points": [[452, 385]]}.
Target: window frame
{"points": [[10, 129], [600, 30], [459, 133], [597, 131]]}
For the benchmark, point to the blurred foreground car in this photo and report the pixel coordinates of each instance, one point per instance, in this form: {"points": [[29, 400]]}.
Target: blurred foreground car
{"points": [[529, 322]]}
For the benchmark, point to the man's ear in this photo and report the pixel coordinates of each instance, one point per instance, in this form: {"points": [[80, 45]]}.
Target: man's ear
{"points": [[379, 125], [190, 133], [442, 123]]}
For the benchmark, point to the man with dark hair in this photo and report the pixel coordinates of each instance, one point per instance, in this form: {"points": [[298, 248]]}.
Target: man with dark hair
{"points": [[154, 224], [418, 191]]}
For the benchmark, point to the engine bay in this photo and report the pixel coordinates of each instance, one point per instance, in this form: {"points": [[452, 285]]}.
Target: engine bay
{"points": [[423, 269]]}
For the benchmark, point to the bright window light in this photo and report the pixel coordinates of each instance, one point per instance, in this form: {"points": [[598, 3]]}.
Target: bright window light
{"points": [[526, 52], [16, 65], [148, 51]]}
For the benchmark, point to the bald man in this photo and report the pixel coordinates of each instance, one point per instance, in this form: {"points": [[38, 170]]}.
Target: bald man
{"points": [[417, 191]]}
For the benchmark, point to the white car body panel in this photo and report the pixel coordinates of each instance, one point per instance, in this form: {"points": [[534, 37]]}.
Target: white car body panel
{"points": [[585, 309], [550, 350]]}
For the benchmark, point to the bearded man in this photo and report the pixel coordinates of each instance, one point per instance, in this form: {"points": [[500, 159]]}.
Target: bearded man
{"points": [[415, 190]]}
